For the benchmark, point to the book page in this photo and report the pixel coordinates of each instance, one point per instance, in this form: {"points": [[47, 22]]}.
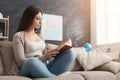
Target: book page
{"points": [[65, 44]]}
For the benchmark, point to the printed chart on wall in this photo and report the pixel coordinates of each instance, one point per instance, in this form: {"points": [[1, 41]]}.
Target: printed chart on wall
{"points": [[52, 27]]}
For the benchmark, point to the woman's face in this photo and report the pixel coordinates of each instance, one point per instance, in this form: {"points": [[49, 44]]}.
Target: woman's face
{"points": [[37, 21]]}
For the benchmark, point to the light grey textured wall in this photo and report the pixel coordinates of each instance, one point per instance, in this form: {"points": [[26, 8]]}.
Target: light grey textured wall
{"points": [[76, 16]]}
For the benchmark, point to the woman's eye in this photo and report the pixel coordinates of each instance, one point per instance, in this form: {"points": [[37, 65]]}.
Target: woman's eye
{"points": [[38, 18]]}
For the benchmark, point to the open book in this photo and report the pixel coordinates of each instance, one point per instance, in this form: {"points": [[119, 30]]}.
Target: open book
{"points": [[64, 45]]}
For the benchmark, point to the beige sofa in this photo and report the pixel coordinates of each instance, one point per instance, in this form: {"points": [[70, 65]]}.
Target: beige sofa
{"points": [[74, 73]]}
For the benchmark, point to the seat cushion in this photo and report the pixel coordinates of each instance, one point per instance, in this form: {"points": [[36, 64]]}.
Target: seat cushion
{"points": [[96, 75], [14, 78], [64, 77]]}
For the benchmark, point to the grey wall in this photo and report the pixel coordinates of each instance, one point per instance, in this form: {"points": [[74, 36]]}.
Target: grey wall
{"points": [[76, 16]]}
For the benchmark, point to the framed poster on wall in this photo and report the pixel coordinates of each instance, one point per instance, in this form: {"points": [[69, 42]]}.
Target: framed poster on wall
{"points": [[52, 27]]}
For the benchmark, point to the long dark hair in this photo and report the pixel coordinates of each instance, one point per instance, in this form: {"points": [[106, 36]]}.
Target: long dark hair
{"points": [[27, 18]]}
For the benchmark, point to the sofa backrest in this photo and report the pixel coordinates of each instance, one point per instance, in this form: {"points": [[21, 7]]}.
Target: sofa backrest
{"points": [[1, 64], [7, 56], [113, 47]]}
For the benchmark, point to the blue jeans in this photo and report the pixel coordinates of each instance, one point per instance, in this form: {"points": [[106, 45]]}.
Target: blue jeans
{"points": [[35, 68]]}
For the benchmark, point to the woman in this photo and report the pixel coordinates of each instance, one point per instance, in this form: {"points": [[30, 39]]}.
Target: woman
{"points": [[29, 49]]}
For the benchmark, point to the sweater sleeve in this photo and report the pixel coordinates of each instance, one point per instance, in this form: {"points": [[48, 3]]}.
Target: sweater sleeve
{"points": [[18, 46]]}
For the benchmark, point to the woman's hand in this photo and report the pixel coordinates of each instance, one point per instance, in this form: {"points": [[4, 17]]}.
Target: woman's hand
{"points": [[51, 54]]}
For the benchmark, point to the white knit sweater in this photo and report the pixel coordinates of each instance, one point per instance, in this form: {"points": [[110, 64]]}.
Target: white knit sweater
{"points": [[23, 48]]}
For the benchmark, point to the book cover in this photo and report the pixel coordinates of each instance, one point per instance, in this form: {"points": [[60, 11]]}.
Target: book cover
{"points": [[65, 45]]}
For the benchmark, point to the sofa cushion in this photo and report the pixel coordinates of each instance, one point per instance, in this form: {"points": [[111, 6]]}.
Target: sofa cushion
{"points": [[64, 77], [92, 59], [96, 75], [14, 78], [7, 55], [112, 66], [117, 76], [1, 66]]}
